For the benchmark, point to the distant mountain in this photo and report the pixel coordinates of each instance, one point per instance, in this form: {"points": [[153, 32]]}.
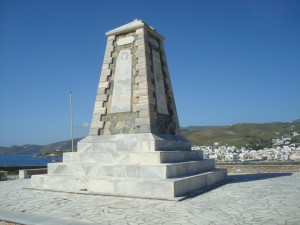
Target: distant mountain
{"points": [[29, 149], [62, 146], [243, 134]]}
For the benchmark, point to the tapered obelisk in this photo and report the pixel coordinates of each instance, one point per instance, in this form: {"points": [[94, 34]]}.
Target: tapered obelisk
{"points": [[134, 147]]}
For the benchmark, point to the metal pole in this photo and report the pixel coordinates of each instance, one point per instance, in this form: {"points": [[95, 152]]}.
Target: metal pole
{"points": [[71, 118]]}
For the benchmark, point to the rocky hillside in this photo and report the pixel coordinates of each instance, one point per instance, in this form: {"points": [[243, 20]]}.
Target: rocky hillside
{"points": [[254, 135]]}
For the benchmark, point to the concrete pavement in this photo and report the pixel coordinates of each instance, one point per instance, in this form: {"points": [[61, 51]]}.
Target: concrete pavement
{"points": [[247, 199]]}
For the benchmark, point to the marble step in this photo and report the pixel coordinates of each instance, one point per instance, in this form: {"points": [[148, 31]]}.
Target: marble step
{"points": [[134, 187], [132, 170], [144, 142], [133, 157]]}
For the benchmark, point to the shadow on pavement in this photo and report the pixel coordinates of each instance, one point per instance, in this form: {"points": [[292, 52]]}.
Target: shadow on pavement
{"points": [[236, 178]]}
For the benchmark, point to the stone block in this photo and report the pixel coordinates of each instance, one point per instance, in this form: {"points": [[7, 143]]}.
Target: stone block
{"points": [[93, 131], [97, 123], [125, 40], [140, 36], [140, 42], [140, 31], [142, 106], [142, 121], [109, 43], [143, 85], [141, 48], [142, 60], [140, 79], [144, 113], [102, 98], [111, 37], [144, 99], [98, 104], [142, 72], [140, 54], [107, 54], [141, 66], [101, 91], [145, 128], [3, 175], [102, 111], [23, 174], [105, 66], [110, 48], [104, 84], [105, 72], [103, 78], [107, 60], [138, 93]]}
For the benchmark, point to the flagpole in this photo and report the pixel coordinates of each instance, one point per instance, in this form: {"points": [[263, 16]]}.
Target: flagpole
{"points": [[71, 118]]}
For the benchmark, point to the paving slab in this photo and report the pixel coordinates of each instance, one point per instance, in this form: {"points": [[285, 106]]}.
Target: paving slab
{"points": [[247, 199]]}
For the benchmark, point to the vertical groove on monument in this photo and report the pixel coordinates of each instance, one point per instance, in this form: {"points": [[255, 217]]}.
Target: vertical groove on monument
{"points": [[134, 147]]}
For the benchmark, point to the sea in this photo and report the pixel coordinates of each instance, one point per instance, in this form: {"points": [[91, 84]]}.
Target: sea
{"points": [[25, 160]]}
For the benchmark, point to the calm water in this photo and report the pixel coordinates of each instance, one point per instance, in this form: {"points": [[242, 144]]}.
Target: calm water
{"points": [[24, 160]]}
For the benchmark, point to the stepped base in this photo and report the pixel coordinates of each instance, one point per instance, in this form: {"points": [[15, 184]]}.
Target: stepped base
{"points": [[168, 189], [137, 165]]}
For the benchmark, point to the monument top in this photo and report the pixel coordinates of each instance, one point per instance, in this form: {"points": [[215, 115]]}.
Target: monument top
{"points": [[132, 26]]}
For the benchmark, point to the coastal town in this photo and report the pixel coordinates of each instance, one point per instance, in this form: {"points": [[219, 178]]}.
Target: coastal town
{"points": [[281, 150]]}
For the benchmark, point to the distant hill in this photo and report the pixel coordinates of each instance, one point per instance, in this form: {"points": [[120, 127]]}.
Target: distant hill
{"points": [[62, 146], [29, 149], [244, 134]]}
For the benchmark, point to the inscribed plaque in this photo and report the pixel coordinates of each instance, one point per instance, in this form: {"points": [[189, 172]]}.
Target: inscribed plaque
{"points": [[126, 40], [121, 97]]}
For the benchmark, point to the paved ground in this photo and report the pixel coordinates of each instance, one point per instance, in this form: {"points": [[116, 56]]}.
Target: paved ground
{"points": [[247, 199]]}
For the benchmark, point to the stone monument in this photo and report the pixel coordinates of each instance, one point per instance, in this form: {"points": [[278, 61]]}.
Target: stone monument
{"points": [[134, 147]]}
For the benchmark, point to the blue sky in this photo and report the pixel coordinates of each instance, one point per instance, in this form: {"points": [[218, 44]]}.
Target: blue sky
{"points": [[229, 61]]}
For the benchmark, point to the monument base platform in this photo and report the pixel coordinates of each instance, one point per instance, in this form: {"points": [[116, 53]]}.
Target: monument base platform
{"points": [[165, 189], [119, 165]]}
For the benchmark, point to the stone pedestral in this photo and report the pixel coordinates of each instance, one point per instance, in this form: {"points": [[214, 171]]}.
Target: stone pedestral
{"points": [[130, 165], [134, 147]]}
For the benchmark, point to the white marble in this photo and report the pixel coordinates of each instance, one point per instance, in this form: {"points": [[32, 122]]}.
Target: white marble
{"points": [[121, 98], [146, 142], [125, 40], [159, 84]]}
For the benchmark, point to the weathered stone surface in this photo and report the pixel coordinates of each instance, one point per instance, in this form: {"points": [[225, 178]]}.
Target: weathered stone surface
{"points": [[27, 173], [121, 97], [126, 40]]}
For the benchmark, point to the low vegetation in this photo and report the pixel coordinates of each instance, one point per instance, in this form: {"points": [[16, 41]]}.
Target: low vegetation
{"points": [[256, 136]]}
